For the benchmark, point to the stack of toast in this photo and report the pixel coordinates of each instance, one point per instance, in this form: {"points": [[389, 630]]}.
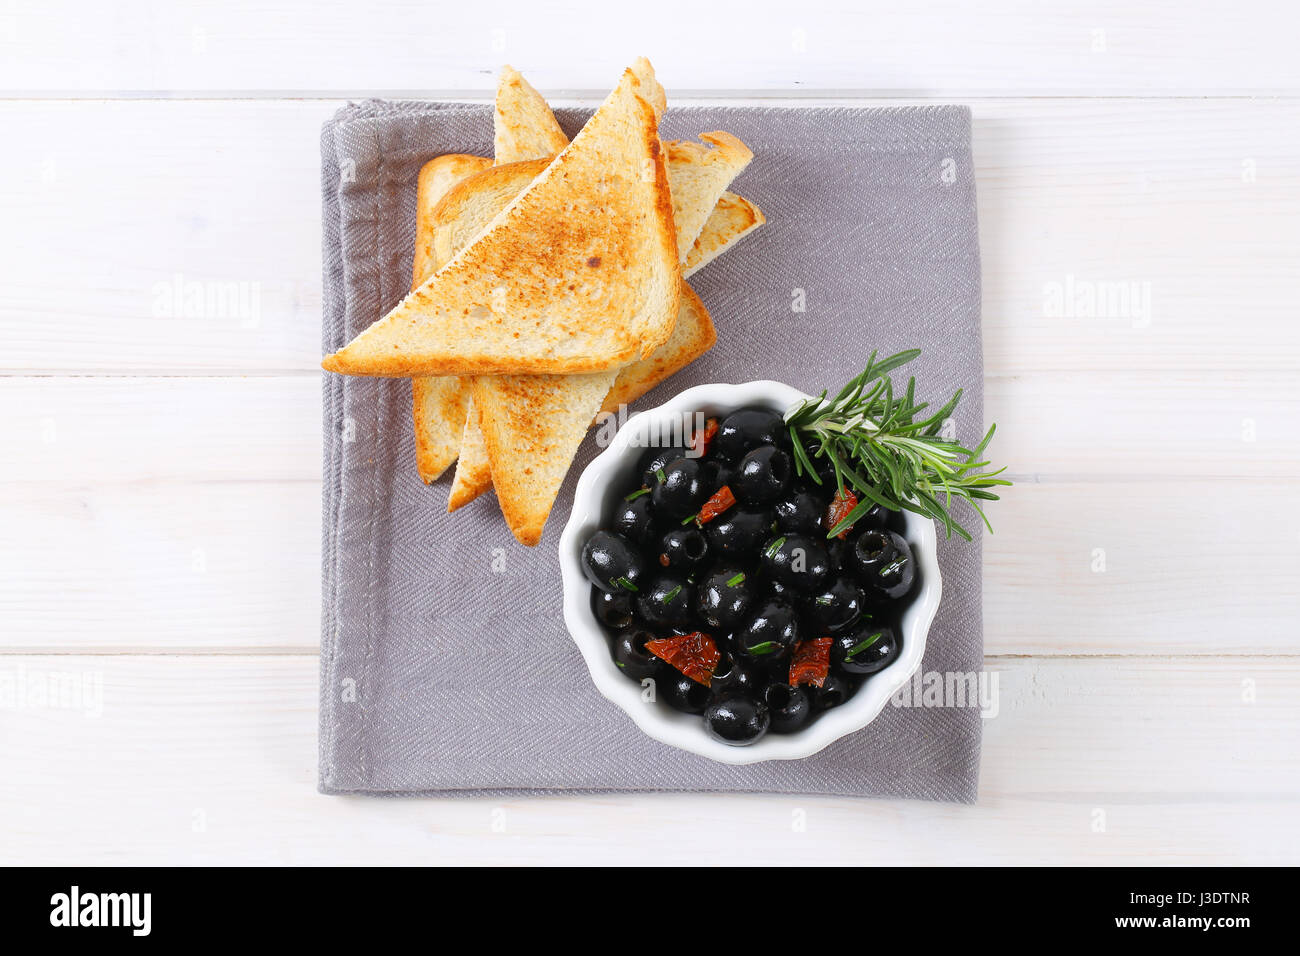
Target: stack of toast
{"points": [[548, 287]]}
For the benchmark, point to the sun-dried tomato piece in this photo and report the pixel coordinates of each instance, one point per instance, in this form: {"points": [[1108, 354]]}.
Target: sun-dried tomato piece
{"points": [[810, 662], [695, 655], [703, 437], [843, 503], [722, 500]]}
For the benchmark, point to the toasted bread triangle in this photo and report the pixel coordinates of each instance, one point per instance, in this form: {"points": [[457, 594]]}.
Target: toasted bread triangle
{"points": [[732, 219], [578, 273], [699, 175], [532, 425], [440, 404], [523, 125]]}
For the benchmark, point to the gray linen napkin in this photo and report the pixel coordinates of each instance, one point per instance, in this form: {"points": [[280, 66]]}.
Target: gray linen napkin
{"points": [[445, 663]]}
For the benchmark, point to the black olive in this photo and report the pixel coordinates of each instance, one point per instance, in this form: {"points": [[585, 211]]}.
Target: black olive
{"points": [[655, 460], [634, 519], [865, 650], [732, 677], [681, 492], [724, 473], [883, 563], [683, 549], [798, 561], [614, 610], [764, 475], [713, 475], [680, 692], [736, 720], [835, 690], [666, 601], [611, 562], [835, 607], [767, 635], [874, 517], [745, 429], [800, 513], [837, 549], [739, 532], [629, 653], [779, 591], [789, 707], [724, 596]]}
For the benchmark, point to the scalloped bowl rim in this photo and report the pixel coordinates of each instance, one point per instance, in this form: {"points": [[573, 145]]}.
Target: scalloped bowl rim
{"points": [[597, 487]]}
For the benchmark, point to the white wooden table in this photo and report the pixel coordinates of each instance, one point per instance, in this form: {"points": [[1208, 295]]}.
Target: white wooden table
{"points": [[159, 512]]}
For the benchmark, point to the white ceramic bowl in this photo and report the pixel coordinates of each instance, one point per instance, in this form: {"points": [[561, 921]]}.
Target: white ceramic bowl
{"points": [[608, 477]]}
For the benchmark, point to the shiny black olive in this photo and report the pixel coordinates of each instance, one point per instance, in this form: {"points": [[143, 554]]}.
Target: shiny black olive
{"points": [[797, 560], [767, 635], [655, 460], [865, 650], [611, 562], [666, 601], [835, 690], [781, 592], [745, 429], [725, 473], [739, 532], [883, 563], [736, 720], [681, 492], [875, 517], [634, 519], [790, 708], [800, 513], [683, 549], [680, 692], [711, 476], [763, 476], [836, 607], [614, 610], [723, 597], [630, 655], [732, 677], [837, 549]]}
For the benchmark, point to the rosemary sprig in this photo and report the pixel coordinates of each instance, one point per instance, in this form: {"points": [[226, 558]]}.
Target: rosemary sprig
{"points": [[889, 453]]}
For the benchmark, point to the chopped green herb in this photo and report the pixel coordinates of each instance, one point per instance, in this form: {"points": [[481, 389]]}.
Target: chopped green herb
{"points": [[893, 567], [659, 473], [637, 494], [689, 518], [738, 579], [767, 647], [774, 547], [671, 594], [863, 646], [625, 584]]}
